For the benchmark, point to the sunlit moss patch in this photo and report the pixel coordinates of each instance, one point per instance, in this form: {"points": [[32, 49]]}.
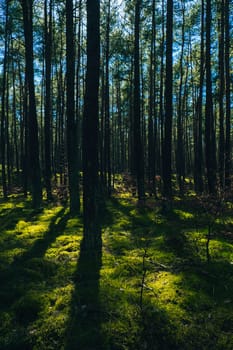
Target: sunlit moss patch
{"points": [[151, 286], [184, 215]]}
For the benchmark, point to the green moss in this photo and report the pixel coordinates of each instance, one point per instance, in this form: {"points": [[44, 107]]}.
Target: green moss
{"points": [[151, 287], [27, 308], [183, 215]]}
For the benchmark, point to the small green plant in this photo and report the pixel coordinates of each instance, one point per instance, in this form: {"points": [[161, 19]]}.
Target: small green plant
{"points": [[213, 207]]}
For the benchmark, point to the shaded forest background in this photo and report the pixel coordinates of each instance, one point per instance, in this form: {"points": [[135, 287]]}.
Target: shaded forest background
{"points": [[163, 81], [116, 174]]}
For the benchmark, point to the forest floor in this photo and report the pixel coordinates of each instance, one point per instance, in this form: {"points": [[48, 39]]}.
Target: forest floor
{"points": [[162, 280]]}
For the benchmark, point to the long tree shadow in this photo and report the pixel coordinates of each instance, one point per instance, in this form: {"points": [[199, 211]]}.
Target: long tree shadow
{"points": [[17, 278], [83, 330], [196, 292], [149, 327], [56, 227], [168, 224], [25, 282], [16, 210]]}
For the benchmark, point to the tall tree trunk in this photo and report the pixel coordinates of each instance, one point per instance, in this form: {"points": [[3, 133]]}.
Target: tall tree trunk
{"points": [[14, 124], [131, 156], [72, 149], [167, 144], [161, 89], [90, 130], [3, 105], [102, 159], [221, 148], [60, 129], [33, 144], [138, 147], [210, 141], [151, 121], [79, 97], [107, 142], [180, 112], [228, 99], [198, 145], [7, 136], [25, 141], [48, 104], [121, 148]]}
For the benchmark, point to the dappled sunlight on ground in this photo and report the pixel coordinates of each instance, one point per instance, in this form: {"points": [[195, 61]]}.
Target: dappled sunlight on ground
{"points": [[149, 287]]}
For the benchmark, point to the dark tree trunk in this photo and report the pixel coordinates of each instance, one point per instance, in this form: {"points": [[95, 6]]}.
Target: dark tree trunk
{"points": [[131, 156], [161, 90], [221, 148], [33, 144], [3, 106], [138, 147], [7, 136], [151, 121], [107, 161], [102, 159], [198, 152], [48, 104], [79, 108], [180, 158], [210, 141], [72, 149], [14, 124], [167, 142], [228, 100], [90, 130], [122, 155], [25, 156], [60, 129]]}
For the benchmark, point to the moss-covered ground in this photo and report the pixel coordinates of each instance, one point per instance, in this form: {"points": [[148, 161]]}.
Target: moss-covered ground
{"points": [[151, 286]]}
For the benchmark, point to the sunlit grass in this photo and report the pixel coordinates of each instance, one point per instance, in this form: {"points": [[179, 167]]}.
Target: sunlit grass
{"points": [[154, 288], [184, 215]]}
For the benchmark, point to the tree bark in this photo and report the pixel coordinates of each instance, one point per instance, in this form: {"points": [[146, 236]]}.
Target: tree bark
{"points": [[48, 104], [72, 145], [221, 148], [90, 130], [107, 107], [180, 157], [228, 99], [33, 143], [3, 106], [151, 121], [210, 141], [138, 147], [167, 142], [198, 144]]}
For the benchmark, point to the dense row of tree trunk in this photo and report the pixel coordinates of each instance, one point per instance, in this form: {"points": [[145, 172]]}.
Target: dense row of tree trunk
{"points": [[143, 89]]}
